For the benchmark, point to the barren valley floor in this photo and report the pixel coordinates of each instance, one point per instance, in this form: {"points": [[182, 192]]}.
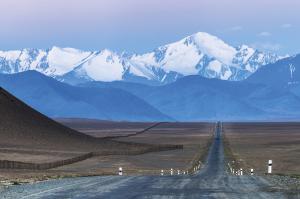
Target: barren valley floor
{"points": [[212, 181]]}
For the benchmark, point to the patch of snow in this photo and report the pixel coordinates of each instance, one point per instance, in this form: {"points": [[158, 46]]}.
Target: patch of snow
{"points": [[249, 68], [164, 77], [292, 70], [226, 75], [106, 66], [181, 58], [34, 64], [141, 71], [11, 55], [62, 60], [147, 59], [293, 83], [215, 47], [24, 60], [249, 53], [215, 66], [260, 58]]}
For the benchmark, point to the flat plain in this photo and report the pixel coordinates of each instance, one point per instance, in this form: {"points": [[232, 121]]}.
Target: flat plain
{"points": [[195, 138], [253, 144], [102, 128]]}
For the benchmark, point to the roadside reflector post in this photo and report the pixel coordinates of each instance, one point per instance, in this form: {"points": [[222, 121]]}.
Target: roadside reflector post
{"points": [[162, 172], [171, 171], [120, 171], [270, 166], [252, 172], [241, 171]]}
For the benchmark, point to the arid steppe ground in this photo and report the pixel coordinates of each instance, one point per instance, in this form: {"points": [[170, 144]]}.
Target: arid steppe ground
{"points": [[33, 146], [253, 144], [194, 137]]}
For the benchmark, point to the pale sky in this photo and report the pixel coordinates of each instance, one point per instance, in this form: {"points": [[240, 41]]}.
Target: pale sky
{"points": [[142, 25]]}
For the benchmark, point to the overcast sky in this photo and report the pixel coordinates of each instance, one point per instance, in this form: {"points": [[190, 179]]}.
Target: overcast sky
{"points": [[142, 25]]}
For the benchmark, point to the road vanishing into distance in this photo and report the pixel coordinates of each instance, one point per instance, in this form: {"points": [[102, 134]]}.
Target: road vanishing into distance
{"points": [[212, 181]]}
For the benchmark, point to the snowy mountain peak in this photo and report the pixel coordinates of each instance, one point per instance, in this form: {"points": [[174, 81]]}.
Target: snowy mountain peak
{"points": [[214, 47], [208, 56], [11, 55], [199, 54], [63, 60]]}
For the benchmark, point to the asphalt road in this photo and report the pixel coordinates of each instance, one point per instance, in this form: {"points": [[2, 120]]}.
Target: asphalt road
{"points": [[212, 181]]}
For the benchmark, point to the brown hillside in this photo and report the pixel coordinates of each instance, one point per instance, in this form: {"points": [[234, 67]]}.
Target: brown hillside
{"points": [[21, 127]]}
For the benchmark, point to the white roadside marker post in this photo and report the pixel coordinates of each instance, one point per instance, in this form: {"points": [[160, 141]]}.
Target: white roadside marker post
{"points": [[162, 172], [270, 167], [252, 171], [241, 171], [171, 171], [120, 171], [229, 167]]}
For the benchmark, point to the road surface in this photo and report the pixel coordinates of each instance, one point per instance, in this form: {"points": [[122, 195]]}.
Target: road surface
{"points": [[212, 181]]}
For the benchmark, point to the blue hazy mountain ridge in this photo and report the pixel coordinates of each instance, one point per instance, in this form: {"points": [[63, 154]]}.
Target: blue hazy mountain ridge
{"points": [[271, 93], [284, 74], [56, 99], [197, 98], [191, 98]]}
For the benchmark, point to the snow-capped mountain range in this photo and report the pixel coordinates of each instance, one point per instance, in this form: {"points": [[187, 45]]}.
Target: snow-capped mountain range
{"points": [[199, 54]]}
